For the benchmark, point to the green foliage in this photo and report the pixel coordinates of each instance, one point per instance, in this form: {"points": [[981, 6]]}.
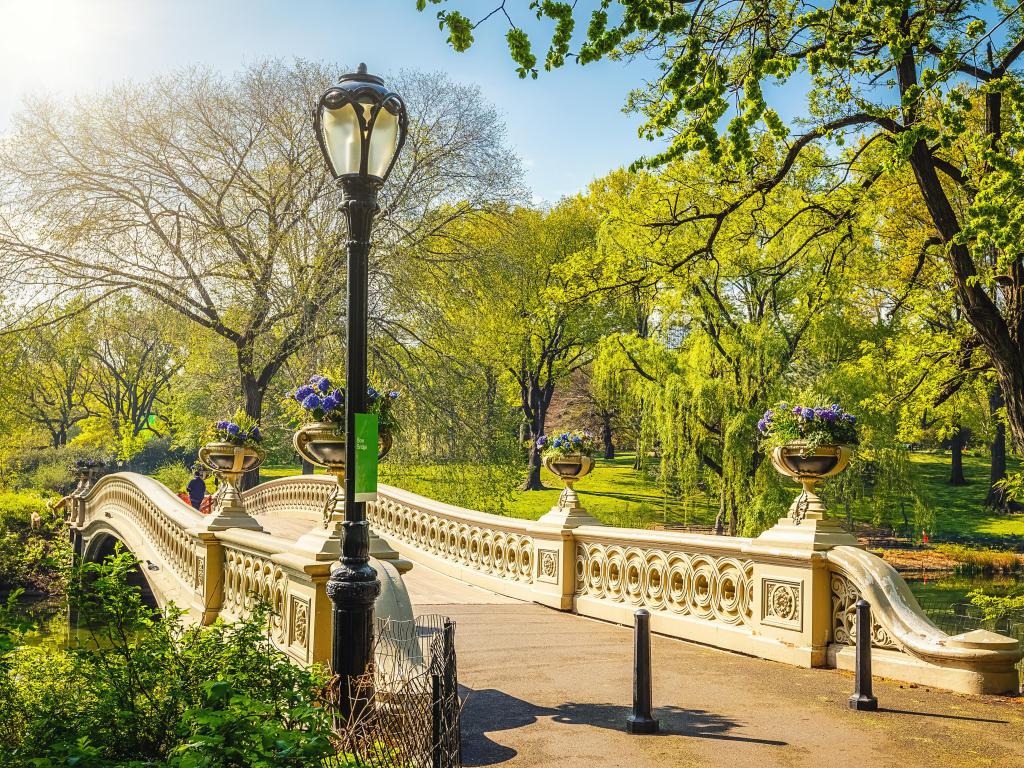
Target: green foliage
{"points": [[997, 607], [141, 690], [34, 559], [174, 475]]}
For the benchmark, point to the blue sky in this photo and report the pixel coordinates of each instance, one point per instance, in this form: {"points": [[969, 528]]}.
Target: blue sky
{"points": [[567, 126]]}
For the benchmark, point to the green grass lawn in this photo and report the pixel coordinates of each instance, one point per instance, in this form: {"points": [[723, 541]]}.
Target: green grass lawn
{"points": [[960, 509], [616, 494]]}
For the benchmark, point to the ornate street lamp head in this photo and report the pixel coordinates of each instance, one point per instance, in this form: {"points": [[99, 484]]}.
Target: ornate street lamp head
{"points": [[361, 127]]}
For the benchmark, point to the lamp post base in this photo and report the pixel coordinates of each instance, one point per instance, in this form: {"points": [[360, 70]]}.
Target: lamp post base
{"points": [[642, 725]]}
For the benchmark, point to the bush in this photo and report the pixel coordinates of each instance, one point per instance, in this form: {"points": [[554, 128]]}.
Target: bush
{"points": [[175, 476], [48, 469], [32, 559], [144, 691], [974, 560]]}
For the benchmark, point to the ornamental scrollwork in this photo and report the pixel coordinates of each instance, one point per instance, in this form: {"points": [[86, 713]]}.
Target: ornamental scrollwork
{"points": [[844, 617], [700, 585]]}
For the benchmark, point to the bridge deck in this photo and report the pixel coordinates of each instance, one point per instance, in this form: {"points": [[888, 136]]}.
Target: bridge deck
{"points": [[546, 688]]}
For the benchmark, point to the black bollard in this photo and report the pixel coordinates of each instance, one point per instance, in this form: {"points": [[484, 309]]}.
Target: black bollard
{"points": [[641, 721], [862, 699]]}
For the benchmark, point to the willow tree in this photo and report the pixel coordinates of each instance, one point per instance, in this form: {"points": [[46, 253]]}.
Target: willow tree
{"points": [[207, 194], [733, 327], [937, 86]]}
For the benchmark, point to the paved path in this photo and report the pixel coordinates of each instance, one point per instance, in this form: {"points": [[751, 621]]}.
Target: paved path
{"points": [[544, 688]]}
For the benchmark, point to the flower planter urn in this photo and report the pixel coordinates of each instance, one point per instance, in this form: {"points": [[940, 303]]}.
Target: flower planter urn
{"points": [[323, 443], [229, 462], [568, 512], [809, 467]]}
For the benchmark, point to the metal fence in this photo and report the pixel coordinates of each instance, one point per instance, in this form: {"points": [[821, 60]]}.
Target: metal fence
{"points": [[411, 719]]}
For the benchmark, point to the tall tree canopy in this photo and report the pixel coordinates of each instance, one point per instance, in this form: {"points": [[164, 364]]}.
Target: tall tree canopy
{"points": [[933, 86], [209, 195]]}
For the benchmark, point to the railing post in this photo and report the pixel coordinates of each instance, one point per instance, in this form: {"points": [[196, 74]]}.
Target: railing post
{"points": [[437, 714], [862, 699], [641, 721]]}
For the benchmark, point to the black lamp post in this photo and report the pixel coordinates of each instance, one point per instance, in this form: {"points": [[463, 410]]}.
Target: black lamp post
{"points": [[361, 127]]}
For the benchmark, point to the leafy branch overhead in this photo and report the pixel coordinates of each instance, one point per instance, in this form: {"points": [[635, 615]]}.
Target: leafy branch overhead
{"points": [[886, 87]]}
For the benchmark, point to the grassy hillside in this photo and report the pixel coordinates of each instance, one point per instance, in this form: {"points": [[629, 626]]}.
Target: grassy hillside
{"points": [[617, 495]]}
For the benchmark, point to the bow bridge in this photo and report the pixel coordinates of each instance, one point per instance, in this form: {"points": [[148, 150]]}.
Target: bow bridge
{"points": [[787, 595]]}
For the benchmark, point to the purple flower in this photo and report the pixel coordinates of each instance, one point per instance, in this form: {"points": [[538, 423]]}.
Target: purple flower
{"points": [[255, 433], [233, 429], [797, 410], [828, 415], [221, 425], [329, 403], [808, 414], [303, 392], [243, 436], [393, 394], [323, 385], [850, 418], [315, 378], [542, 441], [311, 403], [762, 427]]}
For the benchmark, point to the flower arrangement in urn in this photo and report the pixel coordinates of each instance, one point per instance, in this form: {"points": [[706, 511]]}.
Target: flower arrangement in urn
{"points": [[808, 444], [811, 427], [320, 405], [568, 455], [232, 446]]}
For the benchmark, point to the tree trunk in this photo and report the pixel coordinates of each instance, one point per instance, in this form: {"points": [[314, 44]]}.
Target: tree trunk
{"points": [[606, 435], [538, 399], [997, 467], [956, 447], [252, 404], [307, 467]]}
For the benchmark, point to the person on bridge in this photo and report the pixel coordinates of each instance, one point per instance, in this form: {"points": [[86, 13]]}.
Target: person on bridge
{"points": [[196, 489]]}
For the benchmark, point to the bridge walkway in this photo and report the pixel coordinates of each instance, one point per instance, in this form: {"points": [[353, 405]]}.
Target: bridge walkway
{"points": [[546, 688]]}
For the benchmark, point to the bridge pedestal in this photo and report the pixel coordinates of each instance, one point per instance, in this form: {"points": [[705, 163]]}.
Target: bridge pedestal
{"points": [[229, 512], [324, 541]]}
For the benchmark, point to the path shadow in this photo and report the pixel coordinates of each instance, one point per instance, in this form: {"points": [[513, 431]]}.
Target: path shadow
{"points": [[675, 721], [487, 711], [943, 716]]}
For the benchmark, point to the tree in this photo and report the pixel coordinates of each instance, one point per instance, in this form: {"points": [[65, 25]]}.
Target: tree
{"points": [[209, 195], [500, 287], [732, 327], [48, 376], [133, 363], [935, 88]]}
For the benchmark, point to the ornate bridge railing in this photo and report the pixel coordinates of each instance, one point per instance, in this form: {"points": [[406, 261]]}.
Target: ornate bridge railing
{"points": [[787, 595], [207, 573]]}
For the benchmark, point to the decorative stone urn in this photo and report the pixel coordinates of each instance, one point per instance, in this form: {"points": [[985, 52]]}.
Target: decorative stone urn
{"points": [[809, 467], [807, 526], [229, 462], [568, 512], [323, 443]]}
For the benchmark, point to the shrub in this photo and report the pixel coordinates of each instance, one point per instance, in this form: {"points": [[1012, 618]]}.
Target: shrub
{"points": [[141, 691], [174, 475], [973, 560], [32, 559]]}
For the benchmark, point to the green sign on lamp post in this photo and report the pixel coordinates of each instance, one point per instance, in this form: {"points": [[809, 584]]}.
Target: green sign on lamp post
{"points": [[366, 456]]}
